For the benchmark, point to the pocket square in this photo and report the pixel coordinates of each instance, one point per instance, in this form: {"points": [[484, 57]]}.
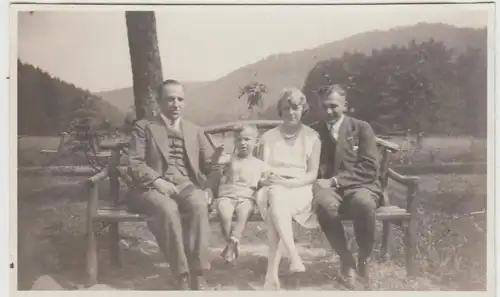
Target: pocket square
{"points": [[353, 142]]}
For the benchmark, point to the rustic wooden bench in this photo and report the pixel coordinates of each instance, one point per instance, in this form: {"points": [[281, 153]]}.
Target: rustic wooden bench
{"points": [[111, 210]]}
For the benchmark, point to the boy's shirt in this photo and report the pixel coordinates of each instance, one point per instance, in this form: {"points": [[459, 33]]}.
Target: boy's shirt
{"points": [[241, 177]]}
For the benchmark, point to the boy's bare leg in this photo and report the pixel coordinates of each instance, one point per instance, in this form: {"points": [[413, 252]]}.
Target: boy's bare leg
{"points": [[243, 211], [225, 209]]}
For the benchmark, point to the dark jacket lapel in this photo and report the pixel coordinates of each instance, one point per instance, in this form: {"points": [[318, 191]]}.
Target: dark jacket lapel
{"points": [[160, 135], [328, 144], [328, 132], [341, 143]]}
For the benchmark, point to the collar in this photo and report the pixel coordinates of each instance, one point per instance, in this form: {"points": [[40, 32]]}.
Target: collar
{"points": [[169, 123], [336, 125]]}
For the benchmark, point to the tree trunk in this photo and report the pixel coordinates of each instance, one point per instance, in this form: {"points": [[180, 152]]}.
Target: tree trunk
{"points": [[145, 61]]}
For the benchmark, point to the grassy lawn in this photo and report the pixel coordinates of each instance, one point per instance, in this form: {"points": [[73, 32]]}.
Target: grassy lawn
{"points": [[451, 243], [433, 150]]}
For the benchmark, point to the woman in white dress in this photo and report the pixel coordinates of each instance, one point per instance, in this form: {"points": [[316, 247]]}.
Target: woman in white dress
{"points": [[292, 151]]}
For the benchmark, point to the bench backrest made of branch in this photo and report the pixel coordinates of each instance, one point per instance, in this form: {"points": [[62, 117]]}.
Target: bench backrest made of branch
{"points": [[386, 149]]}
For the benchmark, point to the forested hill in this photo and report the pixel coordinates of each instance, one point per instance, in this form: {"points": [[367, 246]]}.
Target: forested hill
{"points": [[371, 58], [47, 105], [421, 87]]}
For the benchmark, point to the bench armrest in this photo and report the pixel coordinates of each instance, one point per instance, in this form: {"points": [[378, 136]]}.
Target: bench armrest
{"points": [[103, 174], [114, 144], [93, 191], [92, 184], [411, 182], [407, 180]]}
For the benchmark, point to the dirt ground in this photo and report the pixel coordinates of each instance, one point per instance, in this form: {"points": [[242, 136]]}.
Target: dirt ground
{"points": [[52, 243]]}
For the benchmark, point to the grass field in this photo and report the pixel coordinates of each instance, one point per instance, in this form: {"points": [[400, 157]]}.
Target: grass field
{"points": [[440, 150], [434, 150], [451, 243]]}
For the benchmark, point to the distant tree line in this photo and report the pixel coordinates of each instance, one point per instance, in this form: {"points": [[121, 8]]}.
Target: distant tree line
{"points": [[421, 88], [48, 106]]}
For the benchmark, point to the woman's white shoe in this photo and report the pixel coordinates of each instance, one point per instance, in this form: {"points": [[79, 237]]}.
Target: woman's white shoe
{"points": [[298, 266], [272, 284]]}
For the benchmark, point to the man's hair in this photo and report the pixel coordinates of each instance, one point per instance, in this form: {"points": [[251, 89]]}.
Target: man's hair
{"points": [[166, 83], [242, 127], [328, 90], [290, 93]]}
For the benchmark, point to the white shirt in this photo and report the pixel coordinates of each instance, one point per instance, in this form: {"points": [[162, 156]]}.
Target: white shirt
{"points": [[335, 128], [174, 126]]}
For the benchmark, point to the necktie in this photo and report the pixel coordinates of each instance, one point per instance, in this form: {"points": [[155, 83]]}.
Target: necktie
{"points": [[332, 130]]}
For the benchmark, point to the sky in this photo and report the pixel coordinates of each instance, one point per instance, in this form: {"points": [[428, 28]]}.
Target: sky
{"points": [[88, 47]]}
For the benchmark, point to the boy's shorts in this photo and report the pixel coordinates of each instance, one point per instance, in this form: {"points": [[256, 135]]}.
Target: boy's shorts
{"points": [[235, 201]]}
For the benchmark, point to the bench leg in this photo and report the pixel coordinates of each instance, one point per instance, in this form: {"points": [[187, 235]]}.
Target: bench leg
{"points": [[410, 241], [91, 258], [115, 245], [386, 241]]}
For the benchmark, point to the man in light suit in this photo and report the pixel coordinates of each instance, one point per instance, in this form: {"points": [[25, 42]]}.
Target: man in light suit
{"points": [[169, 162], [348, 181]]}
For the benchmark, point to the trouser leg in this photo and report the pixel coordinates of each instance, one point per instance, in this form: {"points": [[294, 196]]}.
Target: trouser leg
{"points": [[196, 228], [362, 205], [327, 204], [164, 221]]}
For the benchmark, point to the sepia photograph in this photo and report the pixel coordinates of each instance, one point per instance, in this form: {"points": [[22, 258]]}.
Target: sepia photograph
{"points": [[253, 147]]}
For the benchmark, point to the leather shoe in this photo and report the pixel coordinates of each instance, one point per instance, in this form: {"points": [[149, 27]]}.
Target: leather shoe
{"points": [[198, 282], [349, 275], [364, 271], [182, 283]]}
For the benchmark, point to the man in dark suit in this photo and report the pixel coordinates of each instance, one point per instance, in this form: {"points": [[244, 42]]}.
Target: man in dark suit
{"points": [[169, 161], [347, 181]]}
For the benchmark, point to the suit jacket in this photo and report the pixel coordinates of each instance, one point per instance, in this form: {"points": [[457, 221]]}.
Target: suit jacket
{"points": [[354, 158], [148, 152]]}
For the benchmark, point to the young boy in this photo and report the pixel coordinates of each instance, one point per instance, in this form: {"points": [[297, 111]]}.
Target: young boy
{"points": [[237, 189]]}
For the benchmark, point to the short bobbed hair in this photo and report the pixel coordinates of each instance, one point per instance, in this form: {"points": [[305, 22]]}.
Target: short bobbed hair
{"points": [[293, 94]]}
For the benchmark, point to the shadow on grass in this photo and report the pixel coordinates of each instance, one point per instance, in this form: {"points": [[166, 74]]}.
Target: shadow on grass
{"points": [[451, 250]]}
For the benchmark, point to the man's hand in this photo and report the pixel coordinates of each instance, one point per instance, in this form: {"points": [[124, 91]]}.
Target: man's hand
{"points": [[165, 187], [210, 196], [323, 183], [218, 153], [224, 159]]}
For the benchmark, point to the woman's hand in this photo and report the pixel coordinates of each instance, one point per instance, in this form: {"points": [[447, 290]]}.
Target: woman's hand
{"points": [[274, 179], [271, 179], [323, 183]]}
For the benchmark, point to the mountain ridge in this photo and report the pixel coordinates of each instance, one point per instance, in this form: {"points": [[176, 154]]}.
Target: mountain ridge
{"points": [[47, 104], [291, 69]]}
